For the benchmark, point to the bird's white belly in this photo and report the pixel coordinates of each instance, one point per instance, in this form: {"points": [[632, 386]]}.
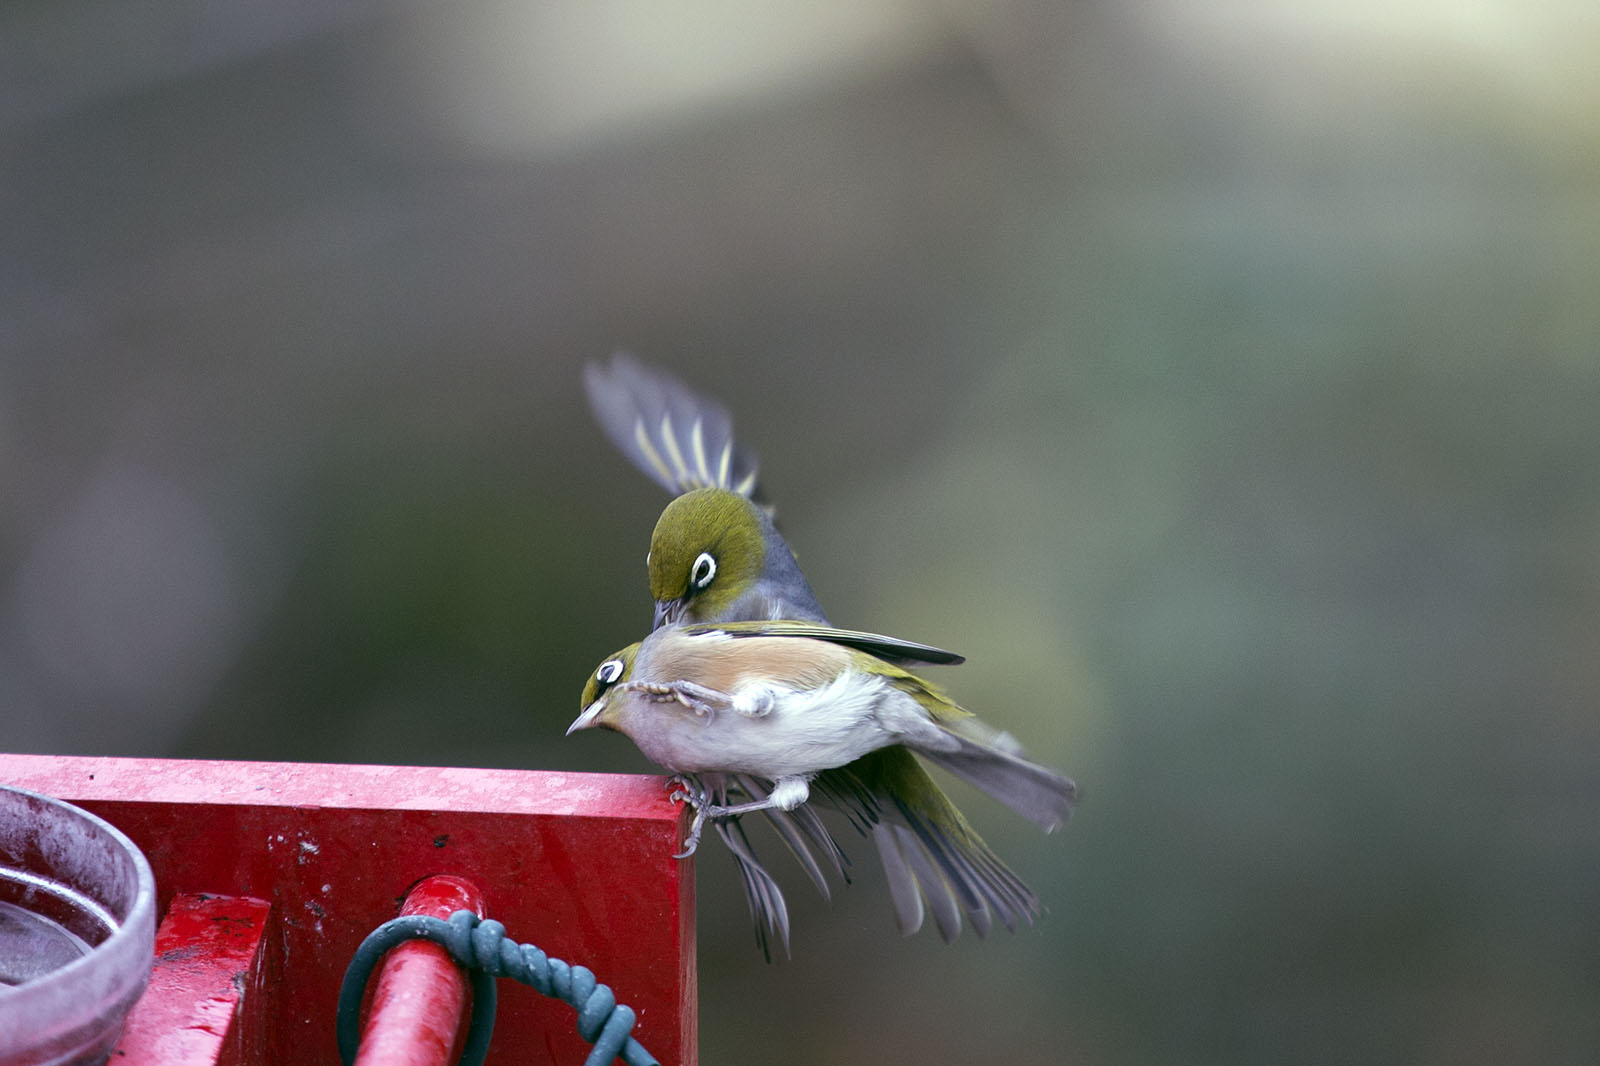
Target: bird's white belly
{"points": [[802, 732]]}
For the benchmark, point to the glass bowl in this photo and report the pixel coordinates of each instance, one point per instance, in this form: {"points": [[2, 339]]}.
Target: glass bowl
{"points": [[77, 931]]}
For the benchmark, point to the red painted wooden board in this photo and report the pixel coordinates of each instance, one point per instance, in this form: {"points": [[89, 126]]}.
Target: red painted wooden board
{"points": [[579, 864], [205, 1000]]}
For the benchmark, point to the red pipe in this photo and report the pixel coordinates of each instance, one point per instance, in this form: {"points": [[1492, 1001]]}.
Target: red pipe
{"points": [[419, 999]]}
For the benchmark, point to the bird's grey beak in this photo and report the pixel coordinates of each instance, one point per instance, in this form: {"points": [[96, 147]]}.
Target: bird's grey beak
{"points": [[589, 718], [668, 612]]}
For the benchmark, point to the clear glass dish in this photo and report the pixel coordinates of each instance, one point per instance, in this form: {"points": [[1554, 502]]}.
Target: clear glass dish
{"points": [[77, 931]]}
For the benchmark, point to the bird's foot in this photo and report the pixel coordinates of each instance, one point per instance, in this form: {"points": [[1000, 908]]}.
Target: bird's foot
{"points": [[686, 791], [787, 794], [692, 841], [693, 792], [704, 702]]}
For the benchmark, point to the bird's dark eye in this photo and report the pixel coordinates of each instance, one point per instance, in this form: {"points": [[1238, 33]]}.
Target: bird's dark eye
{"points": [[704, 569], [609, 671]]}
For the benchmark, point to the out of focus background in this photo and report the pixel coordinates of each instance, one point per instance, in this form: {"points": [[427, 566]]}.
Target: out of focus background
{"points": [[1222, 378]]}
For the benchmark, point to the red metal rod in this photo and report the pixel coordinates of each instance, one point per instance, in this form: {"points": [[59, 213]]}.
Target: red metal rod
{"points": [[419, 997]]}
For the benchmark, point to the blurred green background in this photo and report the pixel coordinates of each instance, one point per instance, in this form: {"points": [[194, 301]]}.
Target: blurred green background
{"points": [[1221, 377]]}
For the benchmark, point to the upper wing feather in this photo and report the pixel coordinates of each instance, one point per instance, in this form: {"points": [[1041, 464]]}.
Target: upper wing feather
{"points": [[679, 438], [892, 649]]}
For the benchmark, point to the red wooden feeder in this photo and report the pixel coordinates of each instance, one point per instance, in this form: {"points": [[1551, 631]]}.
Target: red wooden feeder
{"points": [[269, 875]]}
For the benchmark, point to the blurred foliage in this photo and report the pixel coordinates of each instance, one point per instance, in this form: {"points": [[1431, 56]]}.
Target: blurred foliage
{"points": [[1220, 379]]}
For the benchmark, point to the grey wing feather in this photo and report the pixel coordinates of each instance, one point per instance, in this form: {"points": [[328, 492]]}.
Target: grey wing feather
{"points": [[931, 857], [957, 867], [891, 649], [803, 831], [904, 894], [1038, 793], [761, 890], [934, 862], [681, 439], [946, 913]]}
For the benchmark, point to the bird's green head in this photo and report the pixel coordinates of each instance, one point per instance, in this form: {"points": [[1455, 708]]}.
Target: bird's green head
{"points": [[595, 701], [708, 548]]}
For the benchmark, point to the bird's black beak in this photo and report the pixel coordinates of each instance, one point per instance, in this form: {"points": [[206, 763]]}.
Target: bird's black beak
{"points": [[668, 612]]}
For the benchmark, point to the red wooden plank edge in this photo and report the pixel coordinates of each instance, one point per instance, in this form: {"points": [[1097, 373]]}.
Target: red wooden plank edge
{"points": [[424, 788]]}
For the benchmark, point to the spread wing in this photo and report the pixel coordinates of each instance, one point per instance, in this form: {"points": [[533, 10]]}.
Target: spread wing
{"points": [[931, 856], [679, 438]]}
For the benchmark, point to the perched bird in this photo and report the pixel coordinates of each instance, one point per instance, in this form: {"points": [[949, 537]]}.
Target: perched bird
{"points": [[716, 556], [805, 707]]}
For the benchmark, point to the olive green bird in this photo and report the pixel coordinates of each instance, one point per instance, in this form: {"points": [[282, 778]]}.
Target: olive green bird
{"points": [[717, 557], [716, 554], [794, 702]]}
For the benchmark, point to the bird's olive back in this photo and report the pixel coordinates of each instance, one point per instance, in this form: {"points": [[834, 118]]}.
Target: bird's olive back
{"points": [[707, 548]]}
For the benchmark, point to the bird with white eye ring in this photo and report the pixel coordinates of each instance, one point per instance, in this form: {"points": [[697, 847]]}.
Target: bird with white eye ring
{"points": [[716, 557], [792, 701]]}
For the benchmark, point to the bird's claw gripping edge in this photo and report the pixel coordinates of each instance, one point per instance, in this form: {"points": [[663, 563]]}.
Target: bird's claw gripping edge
{"points": [[694, 794]]}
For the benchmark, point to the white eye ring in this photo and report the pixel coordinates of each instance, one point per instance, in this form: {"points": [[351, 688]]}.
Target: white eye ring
{"points": [[704, 569], [609, 671]]}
